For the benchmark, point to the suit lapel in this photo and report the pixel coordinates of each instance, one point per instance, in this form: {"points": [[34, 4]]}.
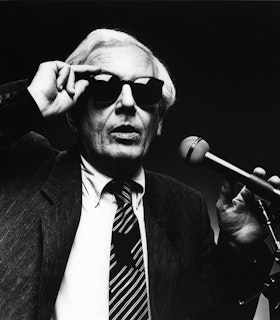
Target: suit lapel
{"points": [[60, 221], [59, 225], [162, 257]]}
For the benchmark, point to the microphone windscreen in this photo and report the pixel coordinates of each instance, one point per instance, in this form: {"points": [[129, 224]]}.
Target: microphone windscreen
{"points": [[193, 149]]}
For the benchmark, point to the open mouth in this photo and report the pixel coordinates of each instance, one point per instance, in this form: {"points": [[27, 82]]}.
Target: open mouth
{"points": [[125, 132]]}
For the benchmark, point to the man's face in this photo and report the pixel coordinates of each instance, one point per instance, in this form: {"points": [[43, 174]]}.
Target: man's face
{"points": [[120, 130]]}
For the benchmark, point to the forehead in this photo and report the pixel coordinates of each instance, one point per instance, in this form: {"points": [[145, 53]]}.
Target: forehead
{"points": [[127, 62]]}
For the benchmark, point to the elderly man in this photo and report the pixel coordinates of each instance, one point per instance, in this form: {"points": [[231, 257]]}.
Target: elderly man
{"points": [[88, 233]]}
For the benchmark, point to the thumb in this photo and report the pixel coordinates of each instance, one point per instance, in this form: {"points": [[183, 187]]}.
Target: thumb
{"points": [[246, 195], [226, 193]]}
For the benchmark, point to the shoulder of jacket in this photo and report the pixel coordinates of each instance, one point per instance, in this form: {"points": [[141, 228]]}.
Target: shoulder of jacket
{"points": [[169, 184]]}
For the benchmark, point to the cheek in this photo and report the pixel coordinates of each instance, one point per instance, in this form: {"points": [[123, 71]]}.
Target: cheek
{"points": [[151, 125], [87, 126], [96, 121]]}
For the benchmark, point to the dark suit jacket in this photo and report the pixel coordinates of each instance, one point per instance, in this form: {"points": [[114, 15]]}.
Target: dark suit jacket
{"points": [[40, 206]]}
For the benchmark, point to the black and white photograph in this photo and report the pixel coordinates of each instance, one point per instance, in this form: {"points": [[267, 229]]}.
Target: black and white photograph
{"points": [[139, 160]]}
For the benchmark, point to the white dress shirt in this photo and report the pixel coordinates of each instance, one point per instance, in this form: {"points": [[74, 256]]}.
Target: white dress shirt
{"points": [[84, 293]]}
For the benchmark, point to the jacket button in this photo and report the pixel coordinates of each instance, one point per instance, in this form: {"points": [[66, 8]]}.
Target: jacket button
{"points": [[4, 96]]}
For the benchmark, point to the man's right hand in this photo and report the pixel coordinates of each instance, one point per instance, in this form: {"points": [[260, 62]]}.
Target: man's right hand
{"points": [[54, 87]]}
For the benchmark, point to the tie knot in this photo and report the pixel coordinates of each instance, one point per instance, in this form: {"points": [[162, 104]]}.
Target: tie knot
{"points": [[122, 191]]}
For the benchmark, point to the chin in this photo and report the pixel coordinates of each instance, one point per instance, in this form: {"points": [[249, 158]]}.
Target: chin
{"points": [[128, 157], [124, 152]]}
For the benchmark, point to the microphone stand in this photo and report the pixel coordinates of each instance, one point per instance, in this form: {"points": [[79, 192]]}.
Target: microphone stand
{"points": [[271, 287]]}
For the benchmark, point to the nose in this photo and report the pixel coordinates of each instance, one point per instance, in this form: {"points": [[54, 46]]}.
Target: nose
{"points": [[126, 97]]}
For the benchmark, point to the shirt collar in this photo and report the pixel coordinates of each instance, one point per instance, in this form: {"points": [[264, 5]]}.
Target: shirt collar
{"points": [[94, 179], [139, 178]]}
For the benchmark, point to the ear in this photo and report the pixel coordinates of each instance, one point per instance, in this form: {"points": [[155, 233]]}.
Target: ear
{"points": [[70, 116], [159, 128]]}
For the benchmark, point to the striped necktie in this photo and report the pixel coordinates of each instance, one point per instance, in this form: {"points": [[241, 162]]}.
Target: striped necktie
{"points": [[127, 285]]}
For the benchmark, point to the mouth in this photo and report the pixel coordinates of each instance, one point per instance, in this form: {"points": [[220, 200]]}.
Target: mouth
{"points": [[126, 132]]}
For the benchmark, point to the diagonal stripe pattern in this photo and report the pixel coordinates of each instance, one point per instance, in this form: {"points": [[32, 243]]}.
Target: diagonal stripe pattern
{"points": [[128, 297]]}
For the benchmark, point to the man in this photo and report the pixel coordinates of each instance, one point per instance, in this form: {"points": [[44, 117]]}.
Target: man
{"points": [[64, 253]]}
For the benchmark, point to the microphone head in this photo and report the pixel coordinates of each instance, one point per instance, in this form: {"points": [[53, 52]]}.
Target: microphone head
{"points": [[193, 149]]}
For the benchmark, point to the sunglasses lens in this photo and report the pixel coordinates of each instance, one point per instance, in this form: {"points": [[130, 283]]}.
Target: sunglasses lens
{"points": [[149, 93], [105, 90]]}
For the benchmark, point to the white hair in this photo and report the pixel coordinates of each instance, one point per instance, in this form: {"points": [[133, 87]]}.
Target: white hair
{"points": [[99, 38]]}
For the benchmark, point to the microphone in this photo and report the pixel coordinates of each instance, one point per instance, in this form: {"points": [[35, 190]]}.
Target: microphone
{"points": [[196, 151]]}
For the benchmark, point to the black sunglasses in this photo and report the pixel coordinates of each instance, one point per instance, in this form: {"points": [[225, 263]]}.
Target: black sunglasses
{"points": [[106, 88]]}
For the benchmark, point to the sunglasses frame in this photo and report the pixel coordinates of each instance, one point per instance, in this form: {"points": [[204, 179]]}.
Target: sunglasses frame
{"points": [[134, 87]]}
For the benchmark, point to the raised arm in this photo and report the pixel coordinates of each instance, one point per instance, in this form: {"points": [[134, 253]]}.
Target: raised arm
{"points": [[55, 89]]}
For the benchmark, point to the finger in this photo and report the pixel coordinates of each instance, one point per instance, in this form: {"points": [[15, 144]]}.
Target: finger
{"points": [[274, 181], [84, 71], [80, 87], [70, 85], [63, 77], [246, 197], [245, 193], [260, 172], [80, 68], [226, 193]]}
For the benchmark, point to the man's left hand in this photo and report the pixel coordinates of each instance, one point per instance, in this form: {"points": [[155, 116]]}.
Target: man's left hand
{"points": [[237, 216]]}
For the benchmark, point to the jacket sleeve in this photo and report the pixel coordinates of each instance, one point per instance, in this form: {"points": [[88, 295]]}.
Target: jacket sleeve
{"points": [[19, 112]]}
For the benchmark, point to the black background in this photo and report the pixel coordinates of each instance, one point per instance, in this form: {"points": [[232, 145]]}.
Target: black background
{"points": [[224, 58]]}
